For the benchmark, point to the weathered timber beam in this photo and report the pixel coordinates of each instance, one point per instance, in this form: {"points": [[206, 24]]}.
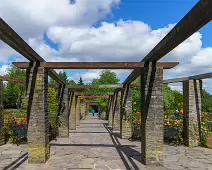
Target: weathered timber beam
{"points": [[94, 65], [195, 19], [91, 101], [99, 86], [195, 77], [93, 104], [93, 97], [93, 93], [11, 38], [17, 80]]}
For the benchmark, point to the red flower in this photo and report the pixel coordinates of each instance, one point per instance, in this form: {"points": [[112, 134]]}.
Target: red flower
{"points": [[138, 113], [25, 122], [18, 124]]}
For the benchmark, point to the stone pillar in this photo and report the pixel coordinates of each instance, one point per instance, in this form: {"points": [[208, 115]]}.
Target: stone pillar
{"points": [[192, 92], [38, 127], [152, 117], [83, 109], [110, 119], [64, 114], [116, 121], [126, 113], [87, 109], [2, 140], [73, 114], [78, 111]]}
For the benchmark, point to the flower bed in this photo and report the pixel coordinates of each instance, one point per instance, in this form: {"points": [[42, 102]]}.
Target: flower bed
{"points": [[15, 126]]}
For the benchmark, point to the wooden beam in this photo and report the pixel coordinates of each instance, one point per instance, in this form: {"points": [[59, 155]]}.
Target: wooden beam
{"points": [[93, 93], [94, 65], [195, 19], [117, 86], [10, 37], [195, 77], [18, 80], [91, 101], [93, 104], [93, 97]]}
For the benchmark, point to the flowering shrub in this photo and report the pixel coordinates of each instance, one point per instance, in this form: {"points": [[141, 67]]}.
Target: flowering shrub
{"points": [[12, 125]]}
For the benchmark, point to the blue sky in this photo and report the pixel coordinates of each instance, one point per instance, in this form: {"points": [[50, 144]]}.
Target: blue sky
{"points": [[60, 31]]}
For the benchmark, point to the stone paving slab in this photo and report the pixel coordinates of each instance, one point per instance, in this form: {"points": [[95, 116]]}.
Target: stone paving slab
{"points": [[94, 146]]}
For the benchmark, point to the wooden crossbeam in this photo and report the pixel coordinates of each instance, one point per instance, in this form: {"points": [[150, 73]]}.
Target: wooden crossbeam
{"points": [[10, 37], [93, 93], [93, 104], [195, 19], [93, 65], [87, 97], [99, 86], [195, 77], [18, 80], [91, 101]]}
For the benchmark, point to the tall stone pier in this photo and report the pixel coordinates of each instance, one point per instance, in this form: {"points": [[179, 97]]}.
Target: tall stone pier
{"points": [[152, 117], [126, 113], [38, 126], [192, 93], [1, 114], [78, 111], [83, 109], [73, 114], [117, 117], [110, 118], [64, 114]]}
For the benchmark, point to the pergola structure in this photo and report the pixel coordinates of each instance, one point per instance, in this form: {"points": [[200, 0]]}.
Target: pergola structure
{"points": [[120, 102]]}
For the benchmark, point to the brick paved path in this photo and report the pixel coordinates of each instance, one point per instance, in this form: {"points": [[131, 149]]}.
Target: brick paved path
{"points": [[94, 146]]}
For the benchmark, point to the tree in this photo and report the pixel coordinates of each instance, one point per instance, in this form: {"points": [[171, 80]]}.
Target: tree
{"points": [[72, 82], [62, 75], [80, 82], [206, 101], [106, 77], [14, 92]]}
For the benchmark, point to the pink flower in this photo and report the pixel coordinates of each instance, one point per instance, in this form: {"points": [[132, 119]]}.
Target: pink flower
{"points": [[138, 113], [18, 124]]}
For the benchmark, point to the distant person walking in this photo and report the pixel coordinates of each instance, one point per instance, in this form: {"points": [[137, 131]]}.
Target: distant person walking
{"points": [[93, 112]]}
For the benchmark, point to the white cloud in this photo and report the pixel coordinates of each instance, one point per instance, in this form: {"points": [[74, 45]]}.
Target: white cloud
{"points": [[70, 25], [86, 77], [31, 18], [3, 69]]}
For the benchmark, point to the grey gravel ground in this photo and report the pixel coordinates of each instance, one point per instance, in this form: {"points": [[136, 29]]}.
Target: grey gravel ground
{"points": [[94, 146]]}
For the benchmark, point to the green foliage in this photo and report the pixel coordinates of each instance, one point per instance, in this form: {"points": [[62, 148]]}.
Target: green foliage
{"points": [[80, 82], [52, 102], [206, 102], [136, 99], [172, 99], [106, 77], [14, 92], [72, 82]]}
